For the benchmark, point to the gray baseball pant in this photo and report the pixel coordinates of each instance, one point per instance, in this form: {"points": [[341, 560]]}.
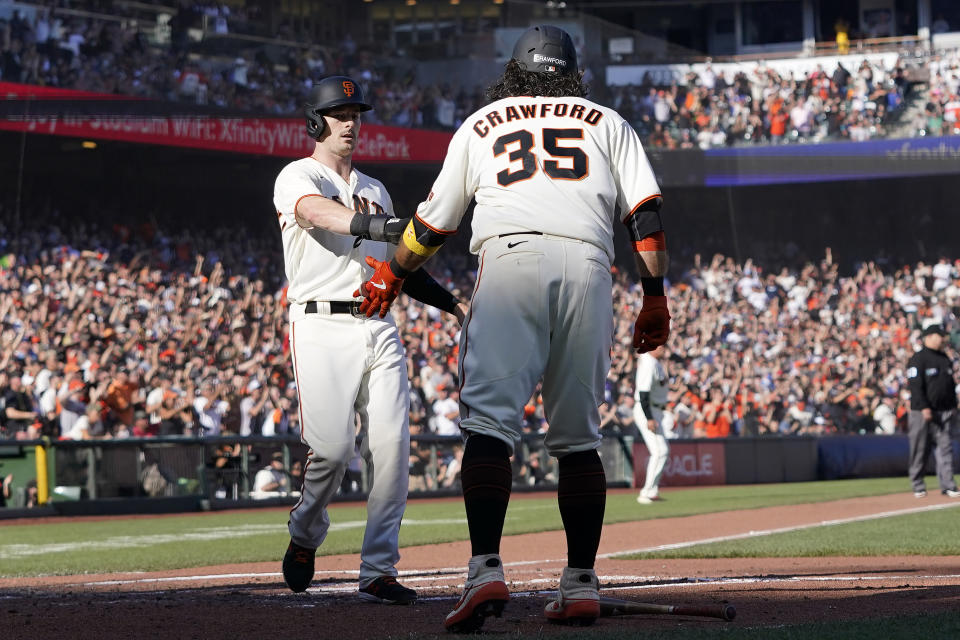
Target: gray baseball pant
{"points": [[934, 433]]}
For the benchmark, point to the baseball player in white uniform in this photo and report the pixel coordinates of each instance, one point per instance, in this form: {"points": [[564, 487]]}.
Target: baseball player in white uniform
{"points": [[549, 171], [335, 222], [651, 397]]}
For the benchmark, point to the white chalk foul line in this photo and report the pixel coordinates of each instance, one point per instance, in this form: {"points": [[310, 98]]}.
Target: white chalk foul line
{"points": [[414, 577], [409, 575], [533, 586], [11, 551], [770, 532], [770, 579]]}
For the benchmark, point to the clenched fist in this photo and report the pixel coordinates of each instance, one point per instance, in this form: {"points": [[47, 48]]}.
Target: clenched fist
{"points": [[652, 327]]}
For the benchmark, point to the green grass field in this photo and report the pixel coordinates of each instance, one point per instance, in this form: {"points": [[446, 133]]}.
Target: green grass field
{"points": [[149, 544], [913, 534]]}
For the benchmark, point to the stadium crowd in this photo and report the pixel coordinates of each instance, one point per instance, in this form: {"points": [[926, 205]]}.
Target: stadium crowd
{"points": [[756, 104], [709, 108], [941, 114], [145, 330], [111, 332], [116, 57]]}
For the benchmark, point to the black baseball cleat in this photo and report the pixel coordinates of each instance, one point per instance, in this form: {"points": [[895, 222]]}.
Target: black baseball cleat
{"points": [[386, 590], [298, 567]]}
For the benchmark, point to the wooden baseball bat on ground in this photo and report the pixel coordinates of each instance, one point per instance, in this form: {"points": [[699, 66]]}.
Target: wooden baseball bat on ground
{"points": [[618, 607]]}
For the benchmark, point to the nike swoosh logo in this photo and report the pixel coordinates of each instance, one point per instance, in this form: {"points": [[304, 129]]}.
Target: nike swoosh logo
{"points": [[511, 245], [379, 285], [465, 596]]}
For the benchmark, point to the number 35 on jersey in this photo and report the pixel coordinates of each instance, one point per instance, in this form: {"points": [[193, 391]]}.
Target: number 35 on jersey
{"points": [[562, 159]]}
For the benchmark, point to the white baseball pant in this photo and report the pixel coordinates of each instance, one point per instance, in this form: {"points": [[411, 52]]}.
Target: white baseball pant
{"points": [[657, 446], [344, 365]]}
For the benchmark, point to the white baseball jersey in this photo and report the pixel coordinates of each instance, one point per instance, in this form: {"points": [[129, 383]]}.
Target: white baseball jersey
{"points": [[321, 265], [565, 165], [652, 379]]}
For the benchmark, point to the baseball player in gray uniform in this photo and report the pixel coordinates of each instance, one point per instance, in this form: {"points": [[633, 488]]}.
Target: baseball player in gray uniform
{"points": [[335, 222], [651, 397], [550, 171]]}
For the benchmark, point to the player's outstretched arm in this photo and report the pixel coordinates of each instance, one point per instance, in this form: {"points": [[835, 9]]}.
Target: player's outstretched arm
{"points": [[316, 211], [652, 327]]}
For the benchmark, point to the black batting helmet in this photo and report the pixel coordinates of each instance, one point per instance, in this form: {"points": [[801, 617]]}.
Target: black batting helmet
{"points": [[546, 49], [331, 92]]}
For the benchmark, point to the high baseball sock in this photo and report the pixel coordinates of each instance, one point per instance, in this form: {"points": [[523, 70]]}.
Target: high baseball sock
{"points": [[487, 478], [582, 497]]}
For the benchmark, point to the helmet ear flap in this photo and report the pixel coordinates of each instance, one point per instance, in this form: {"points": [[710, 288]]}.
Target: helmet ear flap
{"points": [[315, 123]]}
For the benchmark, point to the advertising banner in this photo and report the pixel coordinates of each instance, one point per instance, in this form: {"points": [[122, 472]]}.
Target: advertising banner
{"points": [[64, 112], [284, 137], [688, 463]]}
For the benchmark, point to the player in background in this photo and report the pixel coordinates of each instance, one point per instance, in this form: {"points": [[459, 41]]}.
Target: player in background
{"points": [[551, 172], [335, 220], [651, 397]]}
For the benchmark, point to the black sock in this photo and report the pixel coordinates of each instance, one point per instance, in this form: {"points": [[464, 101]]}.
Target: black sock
{"points": [[487, 478], [582, 497]]}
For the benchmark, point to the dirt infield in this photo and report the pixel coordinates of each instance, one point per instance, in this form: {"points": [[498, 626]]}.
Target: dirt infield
{"points": [[250, 601]]}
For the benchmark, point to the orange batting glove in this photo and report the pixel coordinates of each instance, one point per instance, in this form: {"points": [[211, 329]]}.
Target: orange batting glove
{"points": [[380, 290], [652, 327]]}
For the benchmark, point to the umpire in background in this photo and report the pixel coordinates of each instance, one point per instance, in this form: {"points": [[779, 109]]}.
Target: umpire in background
{"points": [[933, 412]]}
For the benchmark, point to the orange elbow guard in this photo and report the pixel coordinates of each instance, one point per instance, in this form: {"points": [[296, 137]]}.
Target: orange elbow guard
{"points": [[654, 242]]}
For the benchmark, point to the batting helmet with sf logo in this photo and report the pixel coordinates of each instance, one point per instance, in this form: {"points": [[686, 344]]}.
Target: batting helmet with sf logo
{"points": [[329, 93]]}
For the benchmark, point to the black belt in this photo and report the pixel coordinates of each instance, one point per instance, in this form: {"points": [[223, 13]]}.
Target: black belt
{"points": [[336, 306], [520, 233]]}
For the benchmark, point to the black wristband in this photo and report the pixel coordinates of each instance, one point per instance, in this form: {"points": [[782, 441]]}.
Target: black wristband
{"points": [[360, 226], [397, 270], [421, 286], [652, 286]]}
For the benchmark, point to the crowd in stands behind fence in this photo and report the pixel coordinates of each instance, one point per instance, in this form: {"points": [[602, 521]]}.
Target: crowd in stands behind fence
{"points": [[118, 331], [753, 104], [941, 114], [757, 104]]}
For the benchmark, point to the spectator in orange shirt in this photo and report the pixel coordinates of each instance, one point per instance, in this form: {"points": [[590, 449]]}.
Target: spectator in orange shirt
{"points": [[119, 397], [778, 126]]}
